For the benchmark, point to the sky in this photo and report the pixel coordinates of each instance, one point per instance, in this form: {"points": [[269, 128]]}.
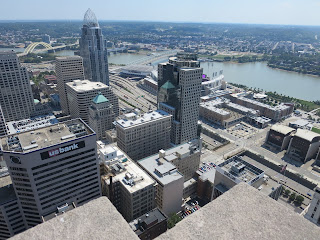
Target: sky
{"points": [[288, 12]]}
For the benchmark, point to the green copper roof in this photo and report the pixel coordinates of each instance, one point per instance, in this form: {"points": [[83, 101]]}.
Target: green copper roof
{"points": [[168, 85], [36, 101], [100, 99]]}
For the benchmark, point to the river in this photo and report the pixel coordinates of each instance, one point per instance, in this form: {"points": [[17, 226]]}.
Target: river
{"points": [[257, 75]]}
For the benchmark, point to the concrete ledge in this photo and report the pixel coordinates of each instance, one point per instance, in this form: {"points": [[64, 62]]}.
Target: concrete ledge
{"points": [[98, 219], [243, 213]]}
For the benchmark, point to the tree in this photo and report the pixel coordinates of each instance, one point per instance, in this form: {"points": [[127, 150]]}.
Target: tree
{"points": [[287, 192], [173, 220], [292, 197], [299, 200]]}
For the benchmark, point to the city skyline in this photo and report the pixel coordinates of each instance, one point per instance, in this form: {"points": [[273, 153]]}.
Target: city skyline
{"points": [[252, 12], [165, 109]]}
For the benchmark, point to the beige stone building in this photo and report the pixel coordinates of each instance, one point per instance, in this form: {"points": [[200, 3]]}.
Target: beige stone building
{"points": [[67, 70], [144, 135], [129, 188], [101, 115], [80, 94]]}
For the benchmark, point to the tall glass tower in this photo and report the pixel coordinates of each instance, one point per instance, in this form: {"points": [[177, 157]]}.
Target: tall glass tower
{"points": [[179, 90], [93, 50], [16, 98]]}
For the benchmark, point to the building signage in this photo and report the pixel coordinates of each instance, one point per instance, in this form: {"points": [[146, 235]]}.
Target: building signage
{"points": [[62, 150]]}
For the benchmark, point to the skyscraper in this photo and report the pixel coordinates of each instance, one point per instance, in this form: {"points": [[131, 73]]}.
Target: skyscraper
{"points": [[93, 50], [3, 129], [16, 97], [51, 167], [67, 70], [179, 91]]}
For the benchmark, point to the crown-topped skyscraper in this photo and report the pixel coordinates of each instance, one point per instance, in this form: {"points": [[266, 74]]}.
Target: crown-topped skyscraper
{"points": [[93, 50]]}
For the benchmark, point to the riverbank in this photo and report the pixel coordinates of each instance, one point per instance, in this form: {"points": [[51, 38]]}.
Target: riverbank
{"points": [[235, 58], [244, 58], [295, 71]]}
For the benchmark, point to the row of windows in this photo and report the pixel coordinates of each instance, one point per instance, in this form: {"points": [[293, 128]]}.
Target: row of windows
{"points": [[75, 178], [65, 165], [71, 196], [67, 173], [63, 180], [69, 187]]}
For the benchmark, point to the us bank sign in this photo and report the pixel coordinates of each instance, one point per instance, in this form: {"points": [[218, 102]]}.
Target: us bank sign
{"points": [[62, 150]]}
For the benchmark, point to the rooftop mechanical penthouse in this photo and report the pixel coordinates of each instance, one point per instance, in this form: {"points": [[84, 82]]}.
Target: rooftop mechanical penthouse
{"points": [[52, 166]]}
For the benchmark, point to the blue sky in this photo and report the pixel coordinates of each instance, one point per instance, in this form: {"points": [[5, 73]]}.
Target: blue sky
{"points": [[296, 12]]}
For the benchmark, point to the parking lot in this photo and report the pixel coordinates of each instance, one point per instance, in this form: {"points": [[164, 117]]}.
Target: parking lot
{"points": [[204, 167], [242, 130], [192, 206]]}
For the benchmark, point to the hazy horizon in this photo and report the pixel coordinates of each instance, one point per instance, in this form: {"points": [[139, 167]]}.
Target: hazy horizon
{"points": [[273, 12]]}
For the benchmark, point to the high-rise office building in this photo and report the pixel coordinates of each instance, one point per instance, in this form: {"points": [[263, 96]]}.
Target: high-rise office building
{"points": [[142, 136], [16, 97], [3, 128], [179, 91], [52, 167], [11, 220], [67, 70], [80, 95], [93, 50], [101, 115]]}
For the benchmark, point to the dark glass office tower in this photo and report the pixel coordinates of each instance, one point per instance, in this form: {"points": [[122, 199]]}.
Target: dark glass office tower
{"points": [[179, 90]]}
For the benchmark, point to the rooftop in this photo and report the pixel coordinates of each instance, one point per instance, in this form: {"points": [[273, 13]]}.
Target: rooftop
{"points": [[167, 85], [160, 170], [154, 216], [97, 219], [131, 176], [242, 108], [40, 138], [85, 85], [243, 213], [68, 58], [142, 119], [282, 129], [214, 108], [300, 122], [100, 99], [7, 192], [90, 19], [307, 135], [278, 107], [31, 123], [239, 170]]}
